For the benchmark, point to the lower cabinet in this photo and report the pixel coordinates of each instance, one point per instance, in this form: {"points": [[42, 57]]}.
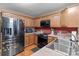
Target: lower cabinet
{"points": [[30, 39], [26, 40]]}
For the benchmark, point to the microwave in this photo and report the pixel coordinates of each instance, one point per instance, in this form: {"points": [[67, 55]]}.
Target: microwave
{"points": [[45, 23]]}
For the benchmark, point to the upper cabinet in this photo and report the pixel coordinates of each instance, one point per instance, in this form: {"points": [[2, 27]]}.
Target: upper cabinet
{"points": [[70, 17], [37, 22], [55, 20], [29, 22]]}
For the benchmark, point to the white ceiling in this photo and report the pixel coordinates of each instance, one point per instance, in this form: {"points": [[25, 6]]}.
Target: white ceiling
{"points": [[34, 9]]}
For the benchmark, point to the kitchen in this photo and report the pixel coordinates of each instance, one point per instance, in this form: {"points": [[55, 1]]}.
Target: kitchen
{"points": [[39, 29]]}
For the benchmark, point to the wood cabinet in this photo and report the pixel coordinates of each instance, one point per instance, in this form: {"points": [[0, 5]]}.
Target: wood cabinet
{"points": [[36, 40], [36, 22], [55, 20], [29, 22], [63, 19], [70, 17], [30, 39], [26, 40]]}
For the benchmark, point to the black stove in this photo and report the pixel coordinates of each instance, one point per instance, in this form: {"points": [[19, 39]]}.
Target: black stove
{"points": [[42, 40]]}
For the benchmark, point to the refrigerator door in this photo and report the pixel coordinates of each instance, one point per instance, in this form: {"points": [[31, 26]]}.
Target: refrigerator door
{"points": [[7, 37], [19, 32], [12, 36]]}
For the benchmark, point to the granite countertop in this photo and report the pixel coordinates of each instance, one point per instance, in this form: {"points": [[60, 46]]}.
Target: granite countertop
{"points": [[47, 51]]}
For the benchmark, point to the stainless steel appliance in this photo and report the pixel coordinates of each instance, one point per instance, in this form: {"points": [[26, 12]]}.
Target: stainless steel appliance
{"points": [[12, 36]]}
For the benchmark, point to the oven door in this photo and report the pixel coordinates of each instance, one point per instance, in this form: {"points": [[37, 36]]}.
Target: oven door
{"points": [[42, 40]]}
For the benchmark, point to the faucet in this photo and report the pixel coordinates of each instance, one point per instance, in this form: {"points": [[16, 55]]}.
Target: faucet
{"points": [[75, 42]]}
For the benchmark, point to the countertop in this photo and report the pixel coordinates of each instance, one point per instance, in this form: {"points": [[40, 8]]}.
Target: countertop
{"points": [[47, 51], [34, 33]]}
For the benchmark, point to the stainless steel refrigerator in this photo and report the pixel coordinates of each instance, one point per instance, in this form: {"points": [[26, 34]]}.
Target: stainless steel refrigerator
{"points": [[12, 36]]}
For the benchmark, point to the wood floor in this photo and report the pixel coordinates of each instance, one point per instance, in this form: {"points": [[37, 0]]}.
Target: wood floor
{"points": [[27, 51]]}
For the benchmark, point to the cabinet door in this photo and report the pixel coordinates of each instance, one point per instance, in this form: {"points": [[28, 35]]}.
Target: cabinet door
{"points": [[63, 19], [71, 17], [37, 23], [29, 22], [36, 40], [31, 40], [26, 41], [55, 20]]}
